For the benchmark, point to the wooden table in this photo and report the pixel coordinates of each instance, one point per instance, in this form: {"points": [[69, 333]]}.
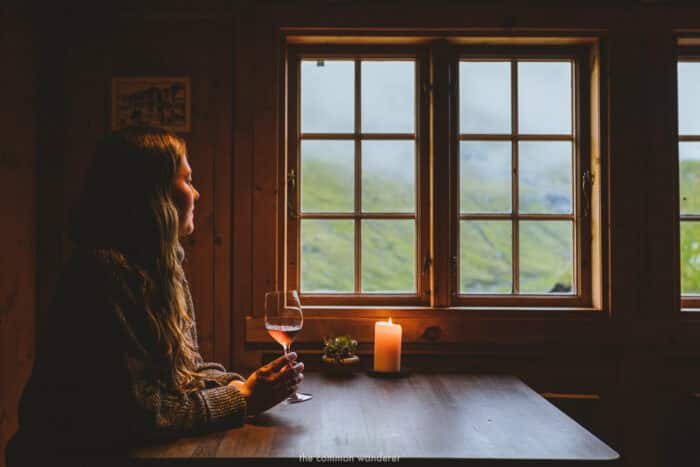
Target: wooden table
{"points": [[458, 418]]}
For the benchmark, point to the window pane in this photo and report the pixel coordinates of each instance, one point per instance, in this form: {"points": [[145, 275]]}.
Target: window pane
{"points": [[689, 98], [546, 257], [486, 258], [689, 154], [388, 256], [484, 97], [544, 97], [690, 258], [544, 170], [388, 97], [327, 255], [485, 176], [327, 96], [327, 176], [388, 176]]}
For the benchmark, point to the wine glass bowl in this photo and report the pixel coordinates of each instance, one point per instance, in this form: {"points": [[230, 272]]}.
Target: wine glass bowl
{"points": [[283, 321]]}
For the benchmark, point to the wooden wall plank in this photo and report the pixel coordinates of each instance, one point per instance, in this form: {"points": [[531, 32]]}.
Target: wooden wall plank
{"points": [[242, 217], [661, 229], [222, 193], [17, 191], [266, 173]]}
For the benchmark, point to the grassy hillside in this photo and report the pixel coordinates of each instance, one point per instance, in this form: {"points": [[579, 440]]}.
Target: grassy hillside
{"points": [[388, 258], [690, 231], [388, 246]]}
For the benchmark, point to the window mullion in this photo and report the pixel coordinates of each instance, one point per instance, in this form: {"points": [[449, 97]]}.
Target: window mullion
{"points": [[425, 261], [515, 207], [292, 260], [358, 177], [445, 228]]}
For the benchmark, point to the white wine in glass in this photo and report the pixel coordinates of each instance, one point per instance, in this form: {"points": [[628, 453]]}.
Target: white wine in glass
{"points": [[284, 320]]}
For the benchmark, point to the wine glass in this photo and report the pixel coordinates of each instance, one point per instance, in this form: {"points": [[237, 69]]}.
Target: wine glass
{"points": [[284, 320]]}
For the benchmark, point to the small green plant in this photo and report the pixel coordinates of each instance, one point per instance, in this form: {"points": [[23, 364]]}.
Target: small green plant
{"points": [[339, 347]]}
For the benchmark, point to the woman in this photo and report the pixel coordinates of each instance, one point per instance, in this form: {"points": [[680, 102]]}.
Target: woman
{"points": [[118, 363]]}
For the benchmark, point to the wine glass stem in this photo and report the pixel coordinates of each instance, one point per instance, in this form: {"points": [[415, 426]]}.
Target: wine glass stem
{"points": [[287, 348]]}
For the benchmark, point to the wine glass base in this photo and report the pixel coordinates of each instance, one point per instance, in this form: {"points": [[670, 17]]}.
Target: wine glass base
{"points": [[298, 397]]}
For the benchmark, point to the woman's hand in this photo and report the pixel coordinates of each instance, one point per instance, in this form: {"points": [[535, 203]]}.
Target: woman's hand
{"points": [[271, 384]]}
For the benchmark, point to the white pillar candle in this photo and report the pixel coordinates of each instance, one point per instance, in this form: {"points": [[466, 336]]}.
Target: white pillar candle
{"points": [[387, 347]]}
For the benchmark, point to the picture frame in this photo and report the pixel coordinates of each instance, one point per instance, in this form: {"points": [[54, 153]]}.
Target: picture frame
{"points": [[158, 101]]}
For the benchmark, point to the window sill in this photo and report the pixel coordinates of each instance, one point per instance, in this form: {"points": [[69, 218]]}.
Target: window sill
{"points": [[433, 326], [461, 312]]}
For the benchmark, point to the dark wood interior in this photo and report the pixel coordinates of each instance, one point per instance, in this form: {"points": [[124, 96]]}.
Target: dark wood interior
{"points": [[629, 371]]}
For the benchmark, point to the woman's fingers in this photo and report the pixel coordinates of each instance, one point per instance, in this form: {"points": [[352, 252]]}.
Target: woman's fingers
{"points": [[296, 379], [292, 374], [280, 362], [289, 379]]}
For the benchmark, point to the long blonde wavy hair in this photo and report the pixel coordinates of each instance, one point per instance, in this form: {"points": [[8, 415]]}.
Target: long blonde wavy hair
{"points": [[127, 205]]}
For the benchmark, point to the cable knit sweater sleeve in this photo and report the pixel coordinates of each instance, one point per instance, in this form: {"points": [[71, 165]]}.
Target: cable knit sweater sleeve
{"points": [[214, 372], [159, 412]]}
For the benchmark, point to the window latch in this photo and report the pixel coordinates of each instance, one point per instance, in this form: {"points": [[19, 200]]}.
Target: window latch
{"points": [[586, 185], [426, 264], [291, 192]]}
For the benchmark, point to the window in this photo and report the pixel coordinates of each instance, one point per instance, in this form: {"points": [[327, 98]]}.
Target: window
{"points": [[689, 176], [397, 156], [520, 153]]}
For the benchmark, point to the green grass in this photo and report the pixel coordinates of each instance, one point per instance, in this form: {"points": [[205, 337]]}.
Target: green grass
{"points": [[388, 257], [690, 231], [388, 247]]}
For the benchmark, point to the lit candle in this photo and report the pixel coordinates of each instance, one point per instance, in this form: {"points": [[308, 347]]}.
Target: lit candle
{"points": [[387, 347]]}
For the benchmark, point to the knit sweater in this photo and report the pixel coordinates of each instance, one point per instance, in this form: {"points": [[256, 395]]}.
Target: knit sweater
{"points": [[91, 390]]}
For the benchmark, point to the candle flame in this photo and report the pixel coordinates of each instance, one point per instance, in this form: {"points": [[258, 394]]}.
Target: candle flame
{"points": [[389, 319]]}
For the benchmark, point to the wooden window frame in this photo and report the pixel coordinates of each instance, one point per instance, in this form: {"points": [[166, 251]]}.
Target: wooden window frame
{"points": [[580, 215], [688, 53], [438, 152], [293, 243]]}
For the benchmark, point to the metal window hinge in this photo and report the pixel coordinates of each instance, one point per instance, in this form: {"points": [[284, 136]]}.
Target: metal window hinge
{"points": [[291, 194], [586, 186]]}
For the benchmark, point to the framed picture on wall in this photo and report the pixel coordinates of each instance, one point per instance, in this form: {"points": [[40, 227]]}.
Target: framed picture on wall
{"points": [[155, 101]]}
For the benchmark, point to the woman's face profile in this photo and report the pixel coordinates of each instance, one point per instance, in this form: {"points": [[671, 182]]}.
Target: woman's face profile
{"points": [[184, 196]]}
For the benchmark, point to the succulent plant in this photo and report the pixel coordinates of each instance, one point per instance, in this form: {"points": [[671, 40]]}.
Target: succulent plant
{"points": [[339, 347]]}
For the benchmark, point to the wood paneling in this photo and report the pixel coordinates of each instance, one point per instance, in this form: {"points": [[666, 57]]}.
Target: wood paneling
{"points": [[242, 267], [17, 192], [202, 50]]}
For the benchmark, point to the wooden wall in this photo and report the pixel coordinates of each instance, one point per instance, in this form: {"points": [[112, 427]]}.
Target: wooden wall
{"points": [[77, 52], [136, 44], [633, 362], [17, 213]]}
